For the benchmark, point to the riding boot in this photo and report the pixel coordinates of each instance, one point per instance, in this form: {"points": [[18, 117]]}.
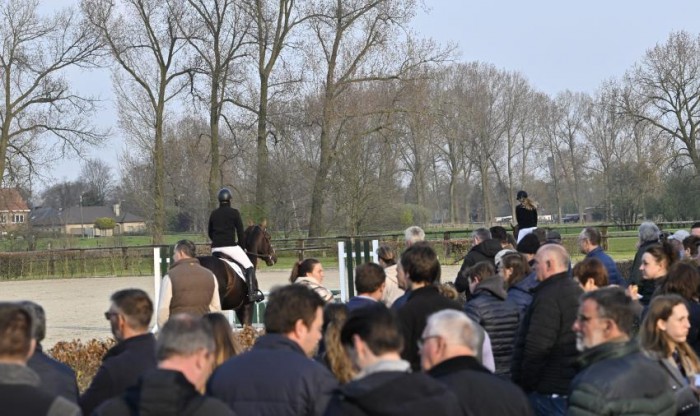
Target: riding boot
{"points": [[254, 295]]}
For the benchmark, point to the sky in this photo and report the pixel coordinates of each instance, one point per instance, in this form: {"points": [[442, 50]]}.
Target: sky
{"points": [[557, 45]]}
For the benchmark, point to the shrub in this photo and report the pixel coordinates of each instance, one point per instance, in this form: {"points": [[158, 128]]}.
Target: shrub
{"points": [[83, 358]]}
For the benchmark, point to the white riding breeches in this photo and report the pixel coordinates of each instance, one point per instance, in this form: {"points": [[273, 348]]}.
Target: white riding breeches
{"points": [[236, 253]]}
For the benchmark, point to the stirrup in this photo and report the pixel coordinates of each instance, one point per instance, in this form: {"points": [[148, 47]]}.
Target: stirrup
{"points": [[255, 297]]}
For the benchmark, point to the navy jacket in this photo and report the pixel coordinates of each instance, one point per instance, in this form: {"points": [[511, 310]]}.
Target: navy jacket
{"points": [[500, 319], [614, 275], [480, 392], [545, 349], [121, 368], [521, 292], [274, 378], [413, 317], [357, 302], [56, 377]]}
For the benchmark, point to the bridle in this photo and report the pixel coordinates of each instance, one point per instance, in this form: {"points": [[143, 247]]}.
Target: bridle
{"points": [[266, 257]]}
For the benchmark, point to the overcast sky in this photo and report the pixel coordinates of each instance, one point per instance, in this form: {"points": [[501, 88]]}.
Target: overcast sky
{"points": [[556, 44]]}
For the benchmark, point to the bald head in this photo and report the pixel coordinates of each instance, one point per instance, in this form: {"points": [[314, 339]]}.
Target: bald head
{"points": [[551, 259]]}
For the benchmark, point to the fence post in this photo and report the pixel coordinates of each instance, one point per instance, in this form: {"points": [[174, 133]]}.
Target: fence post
{"points": [[300, 249], [350, 268], [604, 237], [342, 280]]}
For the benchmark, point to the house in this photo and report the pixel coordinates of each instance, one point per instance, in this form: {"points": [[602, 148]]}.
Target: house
{"points": [[81, 220], [14, 211]]}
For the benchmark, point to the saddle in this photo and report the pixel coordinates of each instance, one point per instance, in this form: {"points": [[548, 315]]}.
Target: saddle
{"points": [[233, 264]]}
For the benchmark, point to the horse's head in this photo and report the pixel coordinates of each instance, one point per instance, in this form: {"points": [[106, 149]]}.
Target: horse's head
{"points": [[259, 244]]}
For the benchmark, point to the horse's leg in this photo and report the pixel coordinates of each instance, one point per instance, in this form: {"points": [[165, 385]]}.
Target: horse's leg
{"points": [[245, 314]]}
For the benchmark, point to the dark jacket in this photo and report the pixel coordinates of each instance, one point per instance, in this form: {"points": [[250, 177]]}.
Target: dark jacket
{"points": [[526, 218], [225, 227], [20, 395], [618, 379], [413, 317], [357, 302], [614, 276], [274, 378], [163, 392], [393, 393], [480, 392], [484, 251], [545, 348], [521, 292], [500, 319], [121, 368], [56, 378]]}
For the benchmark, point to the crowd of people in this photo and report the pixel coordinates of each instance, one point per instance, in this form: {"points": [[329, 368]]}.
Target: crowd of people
{"points": [[521, 331]]}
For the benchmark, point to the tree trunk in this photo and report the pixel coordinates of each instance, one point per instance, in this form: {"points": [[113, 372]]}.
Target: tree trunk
{"points": [[261, 179], [214, 167]]}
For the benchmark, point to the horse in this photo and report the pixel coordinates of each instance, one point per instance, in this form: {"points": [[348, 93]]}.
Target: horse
{"points": [[232, 286]]}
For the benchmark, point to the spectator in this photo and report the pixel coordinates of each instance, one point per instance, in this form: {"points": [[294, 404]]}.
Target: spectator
{"points": [[56, 378], [186, 354], [276, 377], [369, 285], [20, 393], [188, 287], [684, 280], [226, 346], [553, 237], [385, 385], [488, 307], [589, 243], [309, 273], [413, 236], [656, 261], [525, 214], [591, 274], [528, 247], [484, 248], [663, 336], [520, 280], [648, 235], [690, 247], [676, 241], [135, 353], [333, 354], [422, 268], [450, 342], [545, 349], [387, 259], [499, 233], [617, 378], [695, 229]]}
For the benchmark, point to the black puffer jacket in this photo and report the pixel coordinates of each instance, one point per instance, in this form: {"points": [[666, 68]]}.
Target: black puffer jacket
{"points": [[499, 317], [545, 349], [618, 379], [484, 251]]}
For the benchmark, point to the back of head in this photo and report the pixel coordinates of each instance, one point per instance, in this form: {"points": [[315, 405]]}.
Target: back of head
{"points": [[15, 332], [136, 307], [376, 326], [38, 319], [225, 344], [519, 265], [287, 304], [553, 236], [592, 235], [225, 197], [648, 231], [591, 268], [528, 244], [421, 263], [387, 254], [481, 234], [184, 335], [499, 233], [455, 327], [614, 304], [186, 247], [414, 234], [369, 277], [482, 269], [683, 279]]}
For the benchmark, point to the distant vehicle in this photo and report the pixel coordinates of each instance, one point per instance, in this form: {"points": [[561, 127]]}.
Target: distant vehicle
{"points": [[571, 218]]}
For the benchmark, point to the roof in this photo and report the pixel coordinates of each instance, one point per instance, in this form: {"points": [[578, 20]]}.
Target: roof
{"points": [[73, 215], [11, 200]]}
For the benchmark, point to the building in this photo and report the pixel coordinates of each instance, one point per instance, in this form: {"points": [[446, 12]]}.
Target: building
{"points": [[81, 220], [14, 211]]}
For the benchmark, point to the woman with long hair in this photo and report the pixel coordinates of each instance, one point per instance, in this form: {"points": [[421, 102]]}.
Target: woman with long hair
{"points": [[591, 274], [226, 346], [331, 351], [663, 336], [309, 272], [684, 280], [656, 261], [525, 213], [387, 259], [519, 279]]}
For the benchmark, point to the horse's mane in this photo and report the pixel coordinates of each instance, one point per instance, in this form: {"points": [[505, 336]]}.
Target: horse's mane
{"points": [[249, 235]]}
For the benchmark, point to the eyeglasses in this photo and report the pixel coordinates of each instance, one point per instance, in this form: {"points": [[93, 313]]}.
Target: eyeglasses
{"points": [[110, 314], [422, 341]]}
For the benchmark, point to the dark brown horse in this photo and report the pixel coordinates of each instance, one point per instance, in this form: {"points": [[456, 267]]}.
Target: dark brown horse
{"points": [[232, 287]]}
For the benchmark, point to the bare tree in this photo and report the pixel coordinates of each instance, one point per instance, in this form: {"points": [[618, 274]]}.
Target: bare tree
{"points": [[98, 179], [38, 109], [143, 40], [664, 90]]}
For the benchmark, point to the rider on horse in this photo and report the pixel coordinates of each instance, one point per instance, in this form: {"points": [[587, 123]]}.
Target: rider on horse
{"points": [[226, 234]]}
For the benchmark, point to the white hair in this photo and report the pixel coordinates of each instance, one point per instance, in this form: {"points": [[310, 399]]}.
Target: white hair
{"points": [[414, 234], [455, 327]]}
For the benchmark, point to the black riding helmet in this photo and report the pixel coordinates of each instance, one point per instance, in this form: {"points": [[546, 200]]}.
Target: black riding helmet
{"points": [[225, 196], [521, 195]]}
